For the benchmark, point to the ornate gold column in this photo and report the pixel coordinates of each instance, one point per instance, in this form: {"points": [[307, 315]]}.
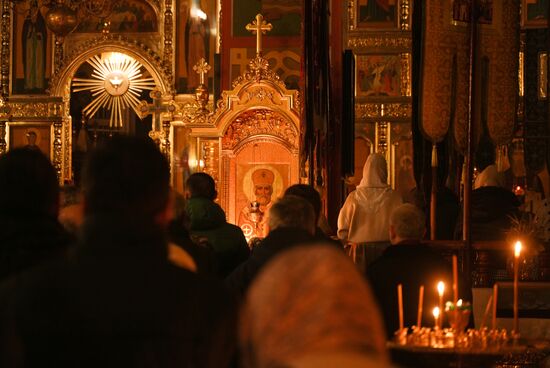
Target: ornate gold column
{"points": [[4, 116], [168, 36], [5, 49]]}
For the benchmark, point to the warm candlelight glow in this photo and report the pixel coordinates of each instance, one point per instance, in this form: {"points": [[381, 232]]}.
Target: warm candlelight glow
{"points": [[459, 303], [517, 249], [440, 288], [436, 312]]}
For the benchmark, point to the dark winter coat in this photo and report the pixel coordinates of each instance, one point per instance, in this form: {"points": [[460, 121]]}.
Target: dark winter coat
{"points": [[30, 240], [201, 252], [491, 211], [116, 302], [411, 264], [208, 220], [274, 243]]}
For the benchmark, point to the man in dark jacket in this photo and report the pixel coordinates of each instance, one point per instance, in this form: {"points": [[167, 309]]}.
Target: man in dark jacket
{"points": [[207, 220], [118, 301], [29, 206], [492, 207], [311, 195], [412, 264], [291, 222]]}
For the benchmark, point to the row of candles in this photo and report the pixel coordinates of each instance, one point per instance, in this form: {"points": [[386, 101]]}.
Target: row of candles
{"points": [[458, 303]]}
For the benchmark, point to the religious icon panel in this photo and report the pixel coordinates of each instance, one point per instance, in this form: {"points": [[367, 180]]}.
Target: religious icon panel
{"points": [[126, 16], [535, 13], [263, 184], [461, 11], [31, 135], [378, 75], [32, 45], [196, 22], [377, 14]]}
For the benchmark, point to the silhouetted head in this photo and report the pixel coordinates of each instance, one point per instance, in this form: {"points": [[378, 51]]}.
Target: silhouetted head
{"points": [[28, 183], [292, 212], [308, 193], [407, 222], [201, 185], [127, 176]]}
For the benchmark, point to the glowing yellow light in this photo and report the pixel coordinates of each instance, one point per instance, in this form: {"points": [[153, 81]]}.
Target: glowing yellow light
{"points": [[436, 312], [440, 288], [459, 303], [517, 249], [116, 84]]}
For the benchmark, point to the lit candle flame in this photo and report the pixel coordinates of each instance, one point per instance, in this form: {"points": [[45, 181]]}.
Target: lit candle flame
{"points": [[459, 303], [440, 288], [436, 312], [517, 249]]}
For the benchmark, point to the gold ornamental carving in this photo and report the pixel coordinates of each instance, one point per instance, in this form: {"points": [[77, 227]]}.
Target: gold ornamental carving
{"points": [[168, 33], [58, 148], [367, 111], [3, 143], [384, 41], [43, 110], [387, 111], [120, 43], [201, 92], [5, 48], [405, 15], [260, 122], [406, 85]]}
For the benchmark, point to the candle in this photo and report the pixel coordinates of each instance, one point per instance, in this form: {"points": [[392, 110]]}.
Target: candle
{"points": [[440, 291], [486, 314], [517, 252], [436, 316], [400, 305], [495, 299], [455, 278], [420, 306]]}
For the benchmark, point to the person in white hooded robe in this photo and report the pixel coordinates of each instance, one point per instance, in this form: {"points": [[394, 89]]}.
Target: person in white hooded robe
{"points": [[365, 215]]}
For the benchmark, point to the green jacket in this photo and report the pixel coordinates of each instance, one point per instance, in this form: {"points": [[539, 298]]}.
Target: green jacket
{"points": [[208, 220]]}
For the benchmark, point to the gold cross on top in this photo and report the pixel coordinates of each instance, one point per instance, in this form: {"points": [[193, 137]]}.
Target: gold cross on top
{"points": [[202, 68], [258, 27]]}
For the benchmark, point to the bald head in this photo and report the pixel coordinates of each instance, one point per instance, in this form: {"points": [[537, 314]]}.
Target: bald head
{"points": [[407, 222]]}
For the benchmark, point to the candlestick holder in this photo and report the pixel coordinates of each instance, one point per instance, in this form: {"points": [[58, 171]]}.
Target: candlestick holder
{"points": [[458, 315]]}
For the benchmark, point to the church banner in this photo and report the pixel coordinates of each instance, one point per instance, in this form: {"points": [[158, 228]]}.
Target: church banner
{"points": [[445, 60], [445, 77]]}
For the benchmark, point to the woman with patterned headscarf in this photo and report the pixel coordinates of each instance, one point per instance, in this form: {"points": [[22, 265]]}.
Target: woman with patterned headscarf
{"points": [[366, 213], [310, 308]]}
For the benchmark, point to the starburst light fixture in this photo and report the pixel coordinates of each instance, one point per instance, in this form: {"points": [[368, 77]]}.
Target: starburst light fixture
{"points": [[116, 84]]}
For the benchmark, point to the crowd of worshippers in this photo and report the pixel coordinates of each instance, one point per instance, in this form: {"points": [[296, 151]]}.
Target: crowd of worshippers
{"points": [[124, 273]]}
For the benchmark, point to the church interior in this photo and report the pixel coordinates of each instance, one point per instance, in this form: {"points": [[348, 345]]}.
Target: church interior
{"points": [[264, 94]]}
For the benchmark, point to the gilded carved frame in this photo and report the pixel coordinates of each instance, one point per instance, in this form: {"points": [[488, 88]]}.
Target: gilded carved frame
{"points": [[258, 90]]}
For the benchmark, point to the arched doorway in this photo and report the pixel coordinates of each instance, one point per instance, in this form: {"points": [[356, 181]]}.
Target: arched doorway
{"points": [[105, 85]]}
